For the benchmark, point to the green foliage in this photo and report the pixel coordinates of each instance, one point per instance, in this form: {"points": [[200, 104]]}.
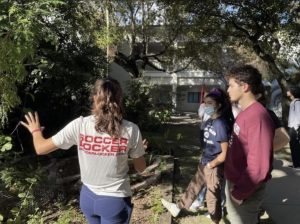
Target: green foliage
{"points": [[179, 136], [47, 46], [36, 218], [162, 142], [20, 24], [70, 215], [30, 197], [5, 143], [12, 72], [48, 57], [60, 83], [29, 203], [156, 205], [142, 106], [145, 32], [108, 36], [67, 214], [21, 182]]}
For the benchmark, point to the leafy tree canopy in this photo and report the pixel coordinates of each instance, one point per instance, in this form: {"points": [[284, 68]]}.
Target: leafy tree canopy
{"points": [[49, 46], [50, 42], [20, 26], [154, 35], [173, 35], [270, 29]]}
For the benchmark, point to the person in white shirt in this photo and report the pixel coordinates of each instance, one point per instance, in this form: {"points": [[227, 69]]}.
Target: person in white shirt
{"points": [[294, 124], [203, 118], [236, 109], [104, 142]]}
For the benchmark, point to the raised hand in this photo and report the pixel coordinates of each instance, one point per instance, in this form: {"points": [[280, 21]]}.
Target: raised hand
{"points": [[32, 122]]}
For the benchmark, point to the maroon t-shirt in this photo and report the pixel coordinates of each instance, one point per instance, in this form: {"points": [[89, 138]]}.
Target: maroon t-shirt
{"points": [[250, 155]]}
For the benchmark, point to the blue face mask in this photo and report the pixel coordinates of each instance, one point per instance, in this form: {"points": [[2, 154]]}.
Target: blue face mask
{"points": [[209, 110]]}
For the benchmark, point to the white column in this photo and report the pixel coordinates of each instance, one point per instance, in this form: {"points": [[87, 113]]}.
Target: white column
{"points": [[174, 90]]}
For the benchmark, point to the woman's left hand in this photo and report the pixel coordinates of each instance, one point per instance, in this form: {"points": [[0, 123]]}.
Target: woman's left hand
{"points": [[209, 166], [32, 123]]}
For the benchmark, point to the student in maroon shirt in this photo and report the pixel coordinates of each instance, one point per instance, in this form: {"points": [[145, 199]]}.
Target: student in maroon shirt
{"points": [[249, 159]]}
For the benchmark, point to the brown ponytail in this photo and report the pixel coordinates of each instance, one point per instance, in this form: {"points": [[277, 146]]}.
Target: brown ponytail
{"points": [[107, 106]]}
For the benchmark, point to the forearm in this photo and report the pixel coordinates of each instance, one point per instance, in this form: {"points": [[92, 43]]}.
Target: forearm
{"points": [[221, 157], [217, 161], [139, 164], [42, 146]]}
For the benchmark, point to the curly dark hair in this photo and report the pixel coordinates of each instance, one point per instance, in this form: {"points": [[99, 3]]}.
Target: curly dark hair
{"points": [[295, 91], [108, 106], [247, 74]]}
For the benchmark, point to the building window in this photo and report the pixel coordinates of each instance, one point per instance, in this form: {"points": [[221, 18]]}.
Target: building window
{"points": [[193, 97]]}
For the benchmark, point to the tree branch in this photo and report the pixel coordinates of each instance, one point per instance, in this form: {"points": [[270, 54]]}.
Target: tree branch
{"points": [[147, 182], [183, 68], [128, 64], [154, 66], [240, 28]]}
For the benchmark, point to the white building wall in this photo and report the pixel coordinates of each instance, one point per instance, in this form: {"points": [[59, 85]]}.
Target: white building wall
{"points": [[182, 100], [178, 83], [182, 83]]}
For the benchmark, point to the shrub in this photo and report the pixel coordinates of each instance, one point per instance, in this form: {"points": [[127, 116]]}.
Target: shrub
{"points": [[143, 106]]}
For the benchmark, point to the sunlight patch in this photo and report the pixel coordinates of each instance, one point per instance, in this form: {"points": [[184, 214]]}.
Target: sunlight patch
{"points": [[278, 173]]}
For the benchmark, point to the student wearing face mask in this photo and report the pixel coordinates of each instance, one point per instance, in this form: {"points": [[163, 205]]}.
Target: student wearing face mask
{"points": [[203, 118], [210, 169]]}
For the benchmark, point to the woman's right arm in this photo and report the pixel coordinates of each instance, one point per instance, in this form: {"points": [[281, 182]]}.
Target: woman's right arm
{"points": [[139, 164], [42, 145], [221, 157]]}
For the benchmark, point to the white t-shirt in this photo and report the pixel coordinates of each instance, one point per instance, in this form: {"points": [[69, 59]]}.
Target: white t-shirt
{"points": [[236, 109], [103, 159], [294, 114]]}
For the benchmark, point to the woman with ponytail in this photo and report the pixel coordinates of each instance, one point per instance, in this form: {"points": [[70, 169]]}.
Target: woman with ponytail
{"points": [[104, 141]]}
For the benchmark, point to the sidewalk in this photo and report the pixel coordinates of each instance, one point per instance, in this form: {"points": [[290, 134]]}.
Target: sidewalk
{"points": [[283, 194]]}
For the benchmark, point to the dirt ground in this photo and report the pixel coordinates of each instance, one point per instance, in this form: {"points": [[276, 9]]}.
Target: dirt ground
{"points": [[144, 202], [187, 151]]}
